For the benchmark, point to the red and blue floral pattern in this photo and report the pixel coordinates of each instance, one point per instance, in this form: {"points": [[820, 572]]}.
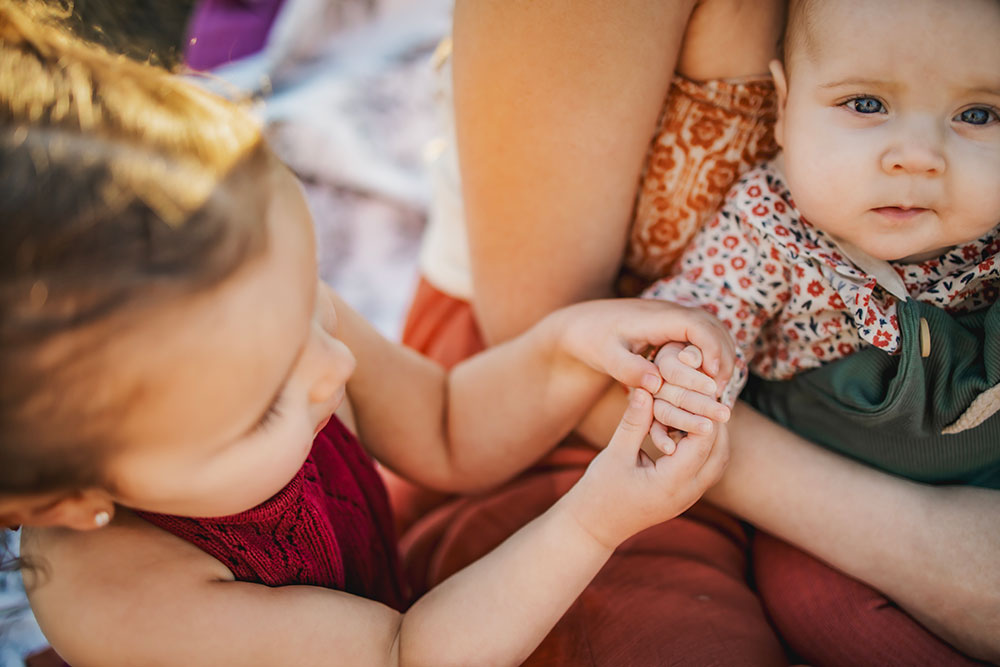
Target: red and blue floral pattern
{"points": [[791, 299]]}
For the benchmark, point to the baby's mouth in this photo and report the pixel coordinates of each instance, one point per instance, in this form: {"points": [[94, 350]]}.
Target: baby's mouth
{"points": [[900, 212]]}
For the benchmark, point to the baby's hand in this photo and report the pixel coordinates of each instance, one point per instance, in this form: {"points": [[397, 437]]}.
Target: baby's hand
{"points": [[624, 491], [688, 399]]}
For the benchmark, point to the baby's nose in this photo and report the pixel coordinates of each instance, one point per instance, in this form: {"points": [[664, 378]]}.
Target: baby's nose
{"points": [[918, 149]]}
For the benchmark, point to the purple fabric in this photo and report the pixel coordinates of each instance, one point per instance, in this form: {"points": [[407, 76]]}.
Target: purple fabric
{"points": [[224, 30]]}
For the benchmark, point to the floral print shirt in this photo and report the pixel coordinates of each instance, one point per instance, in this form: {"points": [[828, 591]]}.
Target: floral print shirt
{"points": [[789, 295]]}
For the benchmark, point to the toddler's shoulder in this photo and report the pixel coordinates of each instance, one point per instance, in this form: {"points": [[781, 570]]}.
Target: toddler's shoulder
{"points": [[84, 585]]}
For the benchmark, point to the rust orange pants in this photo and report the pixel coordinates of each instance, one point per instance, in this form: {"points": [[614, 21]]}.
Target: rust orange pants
{"points": [[677, 593]]}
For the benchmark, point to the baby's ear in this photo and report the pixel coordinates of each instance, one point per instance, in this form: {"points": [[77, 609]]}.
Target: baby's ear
{"points": [[79, 510], [781, 88]]}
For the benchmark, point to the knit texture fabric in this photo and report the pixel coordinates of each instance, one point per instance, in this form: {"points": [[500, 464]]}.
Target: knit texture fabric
{"points": [[331, 526]]}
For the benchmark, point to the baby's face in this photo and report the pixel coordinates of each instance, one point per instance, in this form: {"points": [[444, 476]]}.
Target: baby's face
{"points": [[890, 127]]}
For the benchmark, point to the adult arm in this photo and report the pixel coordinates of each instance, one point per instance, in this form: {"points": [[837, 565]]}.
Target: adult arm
{"points": [[555, 106], [932, 549]]}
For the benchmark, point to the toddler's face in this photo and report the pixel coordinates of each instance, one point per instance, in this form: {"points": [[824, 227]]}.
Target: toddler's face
{"points": [[231, 385], [890, 128]]}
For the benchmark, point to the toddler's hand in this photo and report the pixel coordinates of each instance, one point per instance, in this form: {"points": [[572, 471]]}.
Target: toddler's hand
{"points": [[612, 335], [624, 491], [688, 399]]}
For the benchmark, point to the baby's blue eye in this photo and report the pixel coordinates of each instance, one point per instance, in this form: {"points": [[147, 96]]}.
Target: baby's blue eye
{"points": [[976, 116], [866, 105]]}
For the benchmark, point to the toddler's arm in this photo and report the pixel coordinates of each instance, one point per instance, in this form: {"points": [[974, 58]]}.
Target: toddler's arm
{"points": [[131, 594], [495, 413]]}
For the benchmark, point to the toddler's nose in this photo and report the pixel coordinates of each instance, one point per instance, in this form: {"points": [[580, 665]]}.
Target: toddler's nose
{"points": [[333, 364], [322, 391]]}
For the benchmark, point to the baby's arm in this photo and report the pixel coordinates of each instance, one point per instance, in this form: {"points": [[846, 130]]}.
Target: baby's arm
{"points": [[132, 594]]}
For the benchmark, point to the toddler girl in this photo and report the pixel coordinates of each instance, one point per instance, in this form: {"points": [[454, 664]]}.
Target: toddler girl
{"points": [[180, 400]]}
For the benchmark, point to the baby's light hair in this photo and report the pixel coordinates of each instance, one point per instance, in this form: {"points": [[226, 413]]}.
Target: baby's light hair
{"points": [[120, 184], [798, 30]]}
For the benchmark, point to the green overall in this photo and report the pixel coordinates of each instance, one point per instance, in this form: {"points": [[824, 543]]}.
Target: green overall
{"points": [[889, 411]]}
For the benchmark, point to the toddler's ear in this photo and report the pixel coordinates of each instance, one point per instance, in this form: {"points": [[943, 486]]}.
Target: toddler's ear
{"points": [[79, 510], [781, 88]]}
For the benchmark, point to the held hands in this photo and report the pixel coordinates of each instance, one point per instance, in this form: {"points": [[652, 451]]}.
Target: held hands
{"points": [[687, 404], [624, 491], [611, 336]]}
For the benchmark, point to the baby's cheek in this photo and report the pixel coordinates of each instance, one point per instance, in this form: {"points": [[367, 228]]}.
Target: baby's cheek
{"points": [[982, 202]]}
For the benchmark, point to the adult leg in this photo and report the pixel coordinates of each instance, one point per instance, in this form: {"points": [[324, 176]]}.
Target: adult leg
{"points": [[829, 618], [673, 594]]}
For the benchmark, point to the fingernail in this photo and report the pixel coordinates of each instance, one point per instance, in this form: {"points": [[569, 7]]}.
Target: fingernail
{"points": [[651, 382], [638, 399], [704, 426]]}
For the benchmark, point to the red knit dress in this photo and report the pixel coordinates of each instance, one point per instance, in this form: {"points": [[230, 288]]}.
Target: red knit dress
{"points": [[331, 526]]}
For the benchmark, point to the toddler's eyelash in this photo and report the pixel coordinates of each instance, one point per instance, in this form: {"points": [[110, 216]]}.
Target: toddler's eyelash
{"points": [[268, 417]]}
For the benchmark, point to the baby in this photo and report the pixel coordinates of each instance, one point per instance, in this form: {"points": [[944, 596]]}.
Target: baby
{"points": [[873, 237]]}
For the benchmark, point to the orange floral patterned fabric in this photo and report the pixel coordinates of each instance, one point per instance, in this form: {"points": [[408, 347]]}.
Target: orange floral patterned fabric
{"points": [[710, 134]]}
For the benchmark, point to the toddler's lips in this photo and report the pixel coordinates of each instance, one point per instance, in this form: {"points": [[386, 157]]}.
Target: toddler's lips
{"points": [[900, 212]]}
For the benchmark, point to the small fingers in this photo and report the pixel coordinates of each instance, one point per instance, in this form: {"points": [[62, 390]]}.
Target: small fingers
{"points": [[690, 456], [634, 370], [661, 438], [717, 348], [672, 362], [693, 402], [718, 459], [679, 419], [690, 356], [634, 424]]}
